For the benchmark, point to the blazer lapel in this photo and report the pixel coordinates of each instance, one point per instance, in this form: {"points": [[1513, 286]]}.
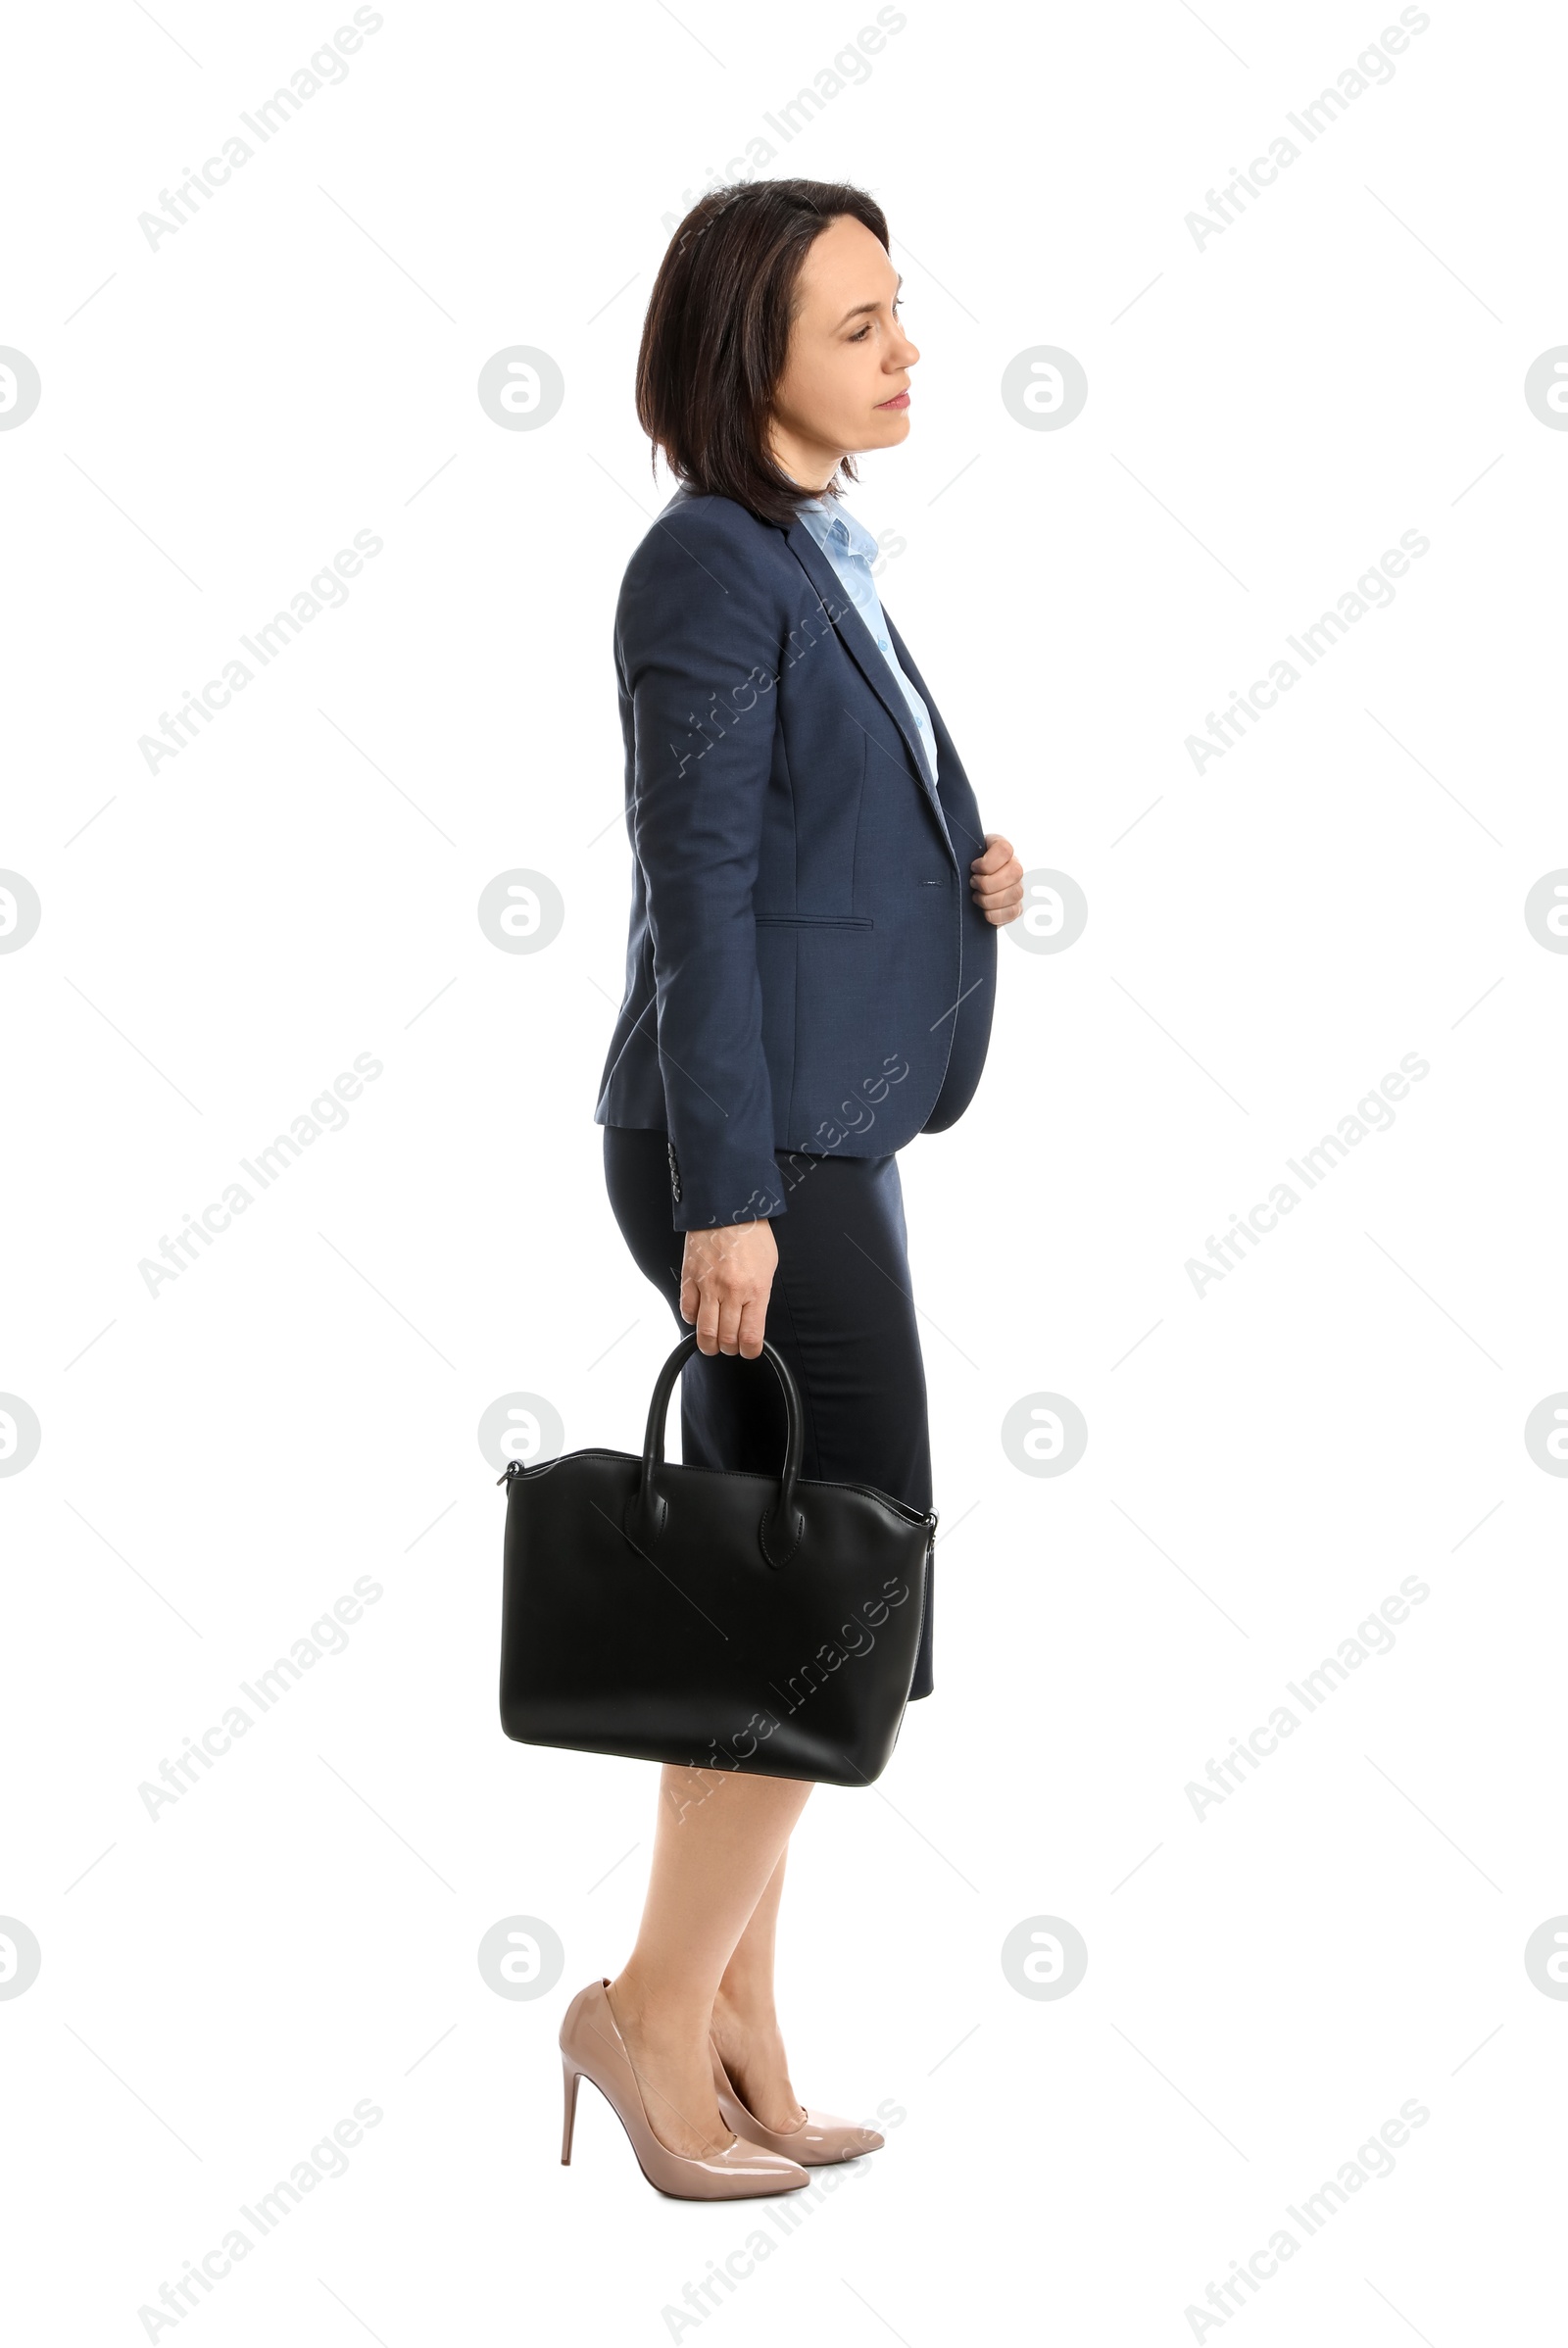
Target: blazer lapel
{"points": [[953, 766], [860, 643]]}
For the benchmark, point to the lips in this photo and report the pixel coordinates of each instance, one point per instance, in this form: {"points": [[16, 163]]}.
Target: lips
{"points": [[900, 399]]}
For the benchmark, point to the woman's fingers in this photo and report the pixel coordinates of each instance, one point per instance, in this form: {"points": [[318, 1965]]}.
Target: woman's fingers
{"points": [[726, 1278], [729, 1326], [996, 880], [1002, 904], [753, 1323]]}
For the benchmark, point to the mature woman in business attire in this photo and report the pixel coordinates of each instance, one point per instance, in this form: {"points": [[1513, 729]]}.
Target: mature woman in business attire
{"points": [[810, 980]]}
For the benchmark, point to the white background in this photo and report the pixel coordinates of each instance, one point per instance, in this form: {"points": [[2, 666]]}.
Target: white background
{"points": [[1266, 1985]]}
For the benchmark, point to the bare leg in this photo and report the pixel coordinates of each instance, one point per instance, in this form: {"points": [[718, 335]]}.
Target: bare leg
{"points": [[745, 2023], [718, 1840]]}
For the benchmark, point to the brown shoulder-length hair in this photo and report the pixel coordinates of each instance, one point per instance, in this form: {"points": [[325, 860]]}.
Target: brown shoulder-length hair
{"points": [[718, 331]]}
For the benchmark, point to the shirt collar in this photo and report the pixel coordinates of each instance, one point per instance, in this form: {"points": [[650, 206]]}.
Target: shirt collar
{"points": [[831, 523]]}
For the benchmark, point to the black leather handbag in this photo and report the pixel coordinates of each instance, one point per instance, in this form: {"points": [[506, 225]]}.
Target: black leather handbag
{"points": [[709, 1617]]}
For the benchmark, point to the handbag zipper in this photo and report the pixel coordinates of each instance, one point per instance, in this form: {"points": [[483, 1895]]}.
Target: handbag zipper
{"points": [[514, 1467], [925, 1586]]}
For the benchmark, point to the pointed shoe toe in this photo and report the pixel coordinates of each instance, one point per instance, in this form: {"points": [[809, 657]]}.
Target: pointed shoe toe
{"points": [[818, 2142], [752, 2166]]}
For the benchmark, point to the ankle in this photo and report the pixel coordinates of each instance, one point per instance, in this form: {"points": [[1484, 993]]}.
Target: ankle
{"points": [[745, 2013], [660, 2017]]}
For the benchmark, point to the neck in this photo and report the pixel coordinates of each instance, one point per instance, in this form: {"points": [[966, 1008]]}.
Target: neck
{"points": [[808, 465]]}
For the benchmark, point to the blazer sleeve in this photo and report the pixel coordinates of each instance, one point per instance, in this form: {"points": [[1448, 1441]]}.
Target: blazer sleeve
{"points": [[698, 641]]}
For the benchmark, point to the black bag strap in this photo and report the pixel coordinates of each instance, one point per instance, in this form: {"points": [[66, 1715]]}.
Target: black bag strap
{"points": [[782, 1524]]}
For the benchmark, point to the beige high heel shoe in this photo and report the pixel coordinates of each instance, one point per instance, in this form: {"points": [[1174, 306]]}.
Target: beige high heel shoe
{"points": [[817, 2143], [592, 2048]]}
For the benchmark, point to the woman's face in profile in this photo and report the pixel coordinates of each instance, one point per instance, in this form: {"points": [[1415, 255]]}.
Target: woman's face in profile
{"points": [[849, 358]]}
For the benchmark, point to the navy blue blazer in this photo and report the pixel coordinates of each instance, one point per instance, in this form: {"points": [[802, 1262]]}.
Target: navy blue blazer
{"points": [[806, 968]]}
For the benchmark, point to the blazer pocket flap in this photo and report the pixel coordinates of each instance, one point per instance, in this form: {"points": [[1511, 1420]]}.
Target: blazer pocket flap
{"points": [[813, 921]]}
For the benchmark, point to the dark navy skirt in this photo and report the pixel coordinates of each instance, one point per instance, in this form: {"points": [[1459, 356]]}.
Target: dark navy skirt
{"points": [[839, 1312]]}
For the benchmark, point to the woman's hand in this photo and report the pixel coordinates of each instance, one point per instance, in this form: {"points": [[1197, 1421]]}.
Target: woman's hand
{"points": [[725, 1278], [996, 881]]}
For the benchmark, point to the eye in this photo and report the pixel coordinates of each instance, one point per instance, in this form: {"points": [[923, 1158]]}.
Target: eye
{"points": [[898, 304]]}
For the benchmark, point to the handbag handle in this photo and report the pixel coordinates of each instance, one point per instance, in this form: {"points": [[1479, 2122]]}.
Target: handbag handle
{"points": [[781, 1526]]}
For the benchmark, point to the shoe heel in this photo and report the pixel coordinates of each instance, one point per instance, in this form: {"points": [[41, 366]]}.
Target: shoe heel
{"points": [[571, 2081]]}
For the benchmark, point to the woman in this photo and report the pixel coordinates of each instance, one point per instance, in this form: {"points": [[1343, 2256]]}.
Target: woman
{"points": [[809, 981]]}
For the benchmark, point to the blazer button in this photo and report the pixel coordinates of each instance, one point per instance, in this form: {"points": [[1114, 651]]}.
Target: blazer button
{"points": [[674, 1172]]}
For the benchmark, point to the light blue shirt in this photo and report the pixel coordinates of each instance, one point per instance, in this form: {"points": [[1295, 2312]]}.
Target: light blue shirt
{"points": [[852, 549]]}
